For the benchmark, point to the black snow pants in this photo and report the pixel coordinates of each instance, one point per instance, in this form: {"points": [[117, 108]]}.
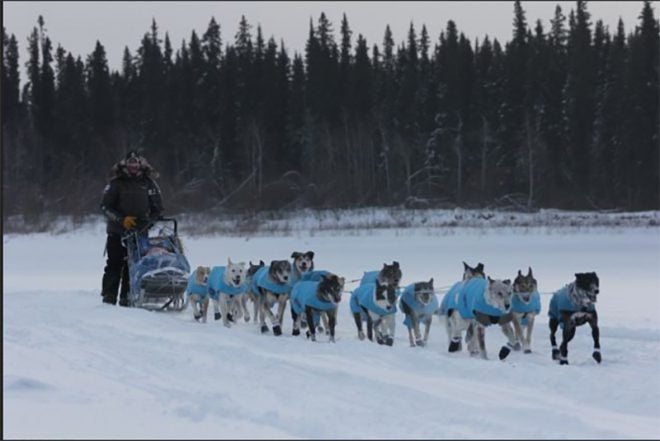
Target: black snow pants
{"points": [[116, 271]]}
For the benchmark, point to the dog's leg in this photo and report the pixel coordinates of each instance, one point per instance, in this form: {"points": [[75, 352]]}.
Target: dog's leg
{"points": [[455, 331], [418, 334], [216, 308], [517, 319], [567, 335], [205, 308], [481, 337], [510, 334], [194, 304], [411, 339], [428, 320], [595, 333], [553, 324], [324, 327], [332, 323], [244, 307], [527, 343], [224, 309], [358, 323], [311, 328], [296, 322], [388, 323], [281, 308], [266, 305], [471, 338]]}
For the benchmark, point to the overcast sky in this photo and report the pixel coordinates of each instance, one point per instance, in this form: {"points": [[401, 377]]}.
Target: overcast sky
{"points": [[76, 25]]}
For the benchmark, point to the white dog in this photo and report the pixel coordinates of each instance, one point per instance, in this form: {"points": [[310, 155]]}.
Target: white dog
{"points": [[226, 285]]}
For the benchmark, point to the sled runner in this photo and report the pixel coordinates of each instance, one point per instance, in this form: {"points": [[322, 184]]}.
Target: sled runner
{"points": [[157, 268]]}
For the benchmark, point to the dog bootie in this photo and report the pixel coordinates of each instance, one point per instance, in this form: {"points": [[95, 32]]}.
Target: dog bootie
{"points": [[295, 332], [419, 342], [217, 316], [555, 354], [230, 317], [454, 346], [504, 352], [123, 302], [198, 316], [264, 329], [277, 330], [527, 351], [597, 356]]}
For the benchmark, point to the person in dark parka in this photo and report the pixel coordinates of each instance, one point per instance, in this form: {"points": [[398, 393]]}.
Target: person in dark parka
{"points": [[131, 200]]}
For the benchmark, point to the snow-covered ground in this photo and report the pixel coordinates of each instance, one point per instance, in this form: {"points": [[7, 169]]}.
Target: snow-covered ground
{"points": [[76, 368]]}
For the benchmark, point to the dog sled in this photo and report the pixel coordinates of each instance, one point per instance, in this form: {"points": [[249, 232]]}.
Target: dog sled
{"points": [[157, 267]]}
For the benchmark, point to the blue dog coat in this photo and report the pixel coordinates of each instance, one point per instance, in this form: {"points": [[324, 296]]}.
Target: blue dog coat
{"points": [[218, 286], [369, 277], [304, 294], [470, 299], [313, 276], [422, 311], [263, 280], [363, 296], [561, 301], [534, 306], [450, 299], [196, 288]]}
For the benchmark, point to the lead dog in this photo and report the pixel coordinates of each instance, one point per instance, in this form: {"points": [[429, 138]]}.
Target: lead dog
{"points": [[573, 306], [418, 302], [479, 303], [314, 298], [226, 285], [274, 287], [525, 306], [197, 289], [375, 303]]}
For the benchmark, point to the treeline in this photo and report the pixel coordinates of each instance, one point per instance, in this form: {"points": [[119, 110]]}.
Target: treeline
{"points": [[563, 117]]}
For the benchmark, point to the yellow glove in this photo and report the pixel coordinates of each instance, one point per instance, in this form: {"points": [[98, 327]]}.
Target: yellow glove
{"points": [[129, 222]]}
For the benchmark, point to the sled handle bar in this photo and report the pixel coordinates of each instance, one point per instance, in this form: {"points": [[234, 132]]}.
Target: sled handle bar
{"points": [[168, 219]]}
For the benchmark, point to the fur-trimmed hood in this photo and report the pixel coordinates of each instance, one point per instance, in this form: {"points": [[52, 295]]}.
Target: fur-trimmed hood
{"points": [[119, 170]]}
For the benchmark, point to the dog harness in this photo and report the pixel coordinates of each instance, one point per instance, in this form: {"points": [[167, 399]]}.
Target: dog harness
{"points": [[263, 280], [196, 288], [363, 296], [304, 294], [422, 311], [532, 307], [217, 284], [561, 301]]}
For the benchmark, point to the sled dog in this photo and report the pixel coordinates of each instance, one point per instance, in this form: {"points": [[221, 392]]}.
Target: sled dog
{"points": [[418, 303], [525, 306], [226, 286], [311, 299], [274, 284], [573, 306], [252, 292], [198, 296], [477, 304], [375, 303]]}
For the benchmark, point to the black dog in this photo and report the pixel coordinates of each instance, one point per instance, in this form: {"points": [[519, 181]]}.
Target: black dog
{"points": [[573, 306]]}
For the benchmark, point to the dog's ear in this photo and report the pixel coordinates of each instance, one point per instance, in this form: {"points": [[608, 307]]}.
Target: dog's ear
{"points": [[465, 266], [295, 255], [395, 264], [261, 263], [506, 281], [228, 260], [479, 267], [519, 273], [529, 272], [431, 281], [310, 254]]}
